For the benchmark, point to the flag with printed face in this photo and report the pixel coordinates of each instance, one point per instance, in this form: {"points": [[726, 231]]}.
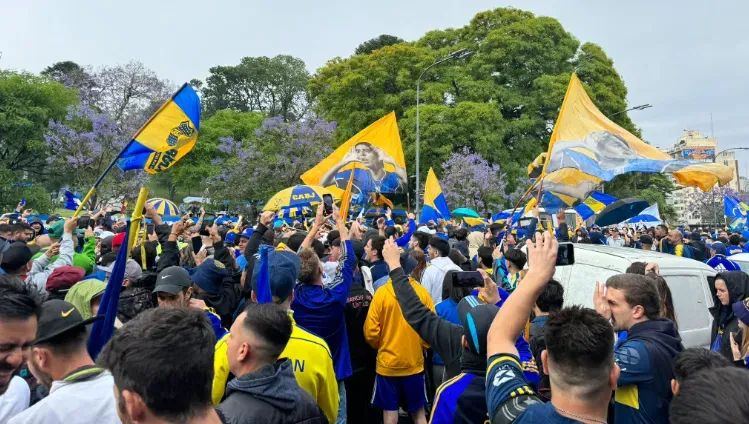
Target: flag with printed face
{"points": [[374, 156], [587, 148]]}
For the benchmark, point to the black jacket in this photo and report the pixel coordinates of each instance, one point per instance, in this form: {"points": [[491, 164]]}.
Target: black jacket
{"points": [[269, 395], [699, 250], [724, 320], [357, 307]]}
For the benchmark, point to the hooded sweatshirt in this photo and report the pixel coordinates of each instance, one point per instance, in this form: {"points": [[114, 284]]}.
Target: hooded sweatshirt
{"points": [[269, 395], [643, 392], [724, 320], [81, 294], [434, 274], [399, 347]]}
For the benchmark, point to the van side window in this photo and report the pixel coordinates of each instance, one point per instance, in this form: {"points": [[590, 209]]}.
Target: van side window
{"points": [[582, 283], [689, 301]]}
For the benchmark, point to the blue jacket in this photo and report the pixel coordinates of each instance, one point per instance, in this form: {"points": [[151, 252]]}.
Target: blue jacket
{"points": [[320, 310], [733, 250], [448, 310], [461, 400], [379, 269]]}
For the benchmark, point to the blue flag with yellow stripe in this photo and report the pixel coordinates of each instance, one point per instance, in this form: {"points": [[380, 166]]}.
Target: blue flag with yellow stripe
{"points": [[435, 206], [595, 203], [167, 136]]}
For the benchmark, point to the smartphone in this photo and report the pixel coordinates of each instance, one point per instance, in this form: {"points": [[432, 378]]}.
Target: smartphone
{"points": [[468, 279], [328, 202], [23, 201], [150, 228], [83, 222], [565, 254], [208, 221]]}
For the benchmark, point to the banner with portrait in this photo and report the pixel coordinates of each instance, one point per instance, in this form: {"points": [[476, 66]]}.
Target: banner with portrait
{"points": [[374, 156]]}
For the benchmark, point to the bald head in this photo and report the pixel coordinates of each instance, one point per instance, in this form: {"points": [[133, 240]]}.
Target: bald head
{"points": [[675, 237], [43, 241]]}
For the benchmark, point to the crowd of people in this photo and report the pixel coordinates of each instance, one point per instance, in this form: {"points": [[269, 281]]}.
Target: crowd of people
{"points": [[336, 321]]}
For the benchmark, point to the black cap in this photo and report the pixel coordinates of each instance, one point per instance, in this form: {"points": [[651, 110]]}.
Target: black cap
{"points": [[17, 255], [58, 317], [172, 280], [477, 318]]}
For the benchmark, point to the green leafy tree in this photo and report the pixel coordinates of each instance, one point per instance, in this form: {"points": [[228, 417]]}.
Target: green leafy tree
{"points": [[13, 189], [27, 104], [378, 42], [501, 102], [276, 86]]}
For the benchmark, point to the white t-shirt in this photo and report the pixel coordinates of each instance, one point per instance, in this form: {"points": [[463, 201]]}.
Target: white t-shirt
{"points": [[15, 400], [89, 401]]}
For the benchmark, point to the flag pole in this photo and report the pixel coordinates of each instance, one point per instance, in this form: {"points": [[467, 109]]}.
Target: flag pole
{"points": [[136, 218]]}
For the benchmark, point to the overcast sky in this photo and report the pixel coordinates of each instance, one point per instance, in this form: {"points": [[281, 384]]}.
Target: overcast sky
{"points": [[687, 58]]}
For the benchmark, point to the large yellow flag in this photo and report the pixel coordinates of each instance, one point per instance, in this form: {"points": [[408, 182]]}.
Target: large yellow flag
{"points": [[346, 198], [587, 148], [374, 156]]}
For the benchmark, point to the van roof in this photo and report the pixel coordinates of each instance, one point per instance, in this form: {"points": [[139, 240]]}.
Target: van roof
{"points": [[629, 254]]}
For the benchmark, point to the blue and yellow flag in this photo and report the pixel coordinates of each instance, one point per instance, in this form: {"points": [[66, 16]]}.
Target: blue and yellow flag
{"points": [[167, 136], [595, 203], [435, 206], [734, 208], [587, 148], [374, 156]]}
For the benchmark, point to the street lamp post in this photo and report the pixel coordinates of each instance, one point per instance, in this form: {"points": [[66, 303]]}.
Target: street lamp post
{"points": [[458, 54], [640, 107], [715, 160]]}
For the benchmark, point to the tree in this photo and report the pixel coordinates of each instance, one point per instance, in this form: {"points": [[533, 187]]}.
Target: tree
{"points": [[271, 159], [72, 75], [469, 180], [130, 93], [13, 189], [276, 86], [517, 78], [27, 103], [83, 144], [708, 205], [378, 42]]}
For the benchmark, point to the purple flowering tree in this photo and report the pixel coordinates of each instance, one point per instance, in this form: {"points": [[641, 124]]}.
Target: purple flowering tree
{"points": [[469, 180], [705, 205], [273, 158], [81, 146]]}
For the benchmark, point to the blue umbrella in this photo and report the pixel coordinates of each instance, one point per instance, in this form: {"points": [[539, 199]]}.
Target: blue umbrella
{"points": [[465, 213], [620, 211]]}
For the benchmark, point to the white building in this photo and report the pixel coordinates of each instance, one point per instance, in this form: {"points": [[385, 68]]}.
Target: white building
{"points": [[695, 146]]}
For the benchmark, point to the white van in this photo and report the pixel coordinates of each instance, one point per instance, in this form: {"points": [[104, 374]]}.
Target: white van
{"points": [[687, 279], [742, 260]]}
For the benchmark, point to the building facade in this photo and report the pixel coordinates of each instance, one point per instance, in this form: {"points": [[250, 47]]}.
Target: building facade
{"points": [[693, 145]]}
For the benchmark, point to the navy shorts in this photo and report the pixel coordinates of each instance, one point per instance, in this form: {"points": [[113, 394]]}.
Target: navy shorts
{"points": [[392, 392]]}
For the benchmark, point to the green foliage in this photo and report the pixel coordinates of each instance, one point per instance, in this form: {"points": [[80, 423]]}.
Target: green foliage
{"points": [[379, 42], [13, 189], [27, 104], [501, 102], [276, 86]]}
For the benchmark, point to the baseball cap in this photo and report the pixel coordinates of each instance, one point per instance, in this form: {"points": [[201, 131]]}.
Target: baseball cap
{"points": [[741, 310], [58, 317], [284, 269], [172, 280], [718, 247], [103, 234], [53, 218], [117, 240], [476, 318], [247, 233], [230, 238], [17, 255], [64, 277], [133, 270], [56, 228], [210, 275]]}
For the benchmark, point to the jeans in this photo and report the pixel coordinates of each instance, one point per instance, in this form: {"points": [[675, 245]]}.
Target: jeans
{"points": [[342, 403]]}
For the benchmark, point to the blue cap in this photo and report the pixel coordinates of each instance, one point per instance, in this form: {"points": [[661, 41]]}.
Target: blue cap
{"points": [[230, 238], [720, 248], [284, 269], [210, 275], [247, 232]]}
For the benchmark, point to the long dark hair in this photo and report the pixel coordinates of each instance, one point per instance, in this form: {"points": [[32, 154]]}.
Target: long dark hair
{"points": [[450, 292], [667, 302], [421, 264]]}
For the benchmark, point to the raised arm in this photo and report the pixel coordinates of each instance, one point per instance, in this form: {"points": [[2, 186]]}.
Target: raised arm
{"points": [[312, 234]]}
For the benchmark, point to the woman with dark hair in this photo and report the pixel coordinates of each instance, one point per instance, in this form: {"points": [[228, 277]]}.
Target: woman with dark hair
{"points": [[728, 288], [447, 309], [667, 301], [421, 264], [740, 342]]}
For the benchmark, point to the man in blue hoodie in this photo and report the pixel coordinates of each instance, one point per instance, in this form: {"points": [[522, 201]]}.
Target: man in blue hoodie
{"points": [[320, 308], [643, 391]]}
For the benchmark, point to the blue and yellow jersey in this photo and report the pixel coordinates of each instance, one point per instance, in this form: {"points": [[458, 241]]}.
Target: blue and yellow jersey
{"points": [[461, 399]]}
